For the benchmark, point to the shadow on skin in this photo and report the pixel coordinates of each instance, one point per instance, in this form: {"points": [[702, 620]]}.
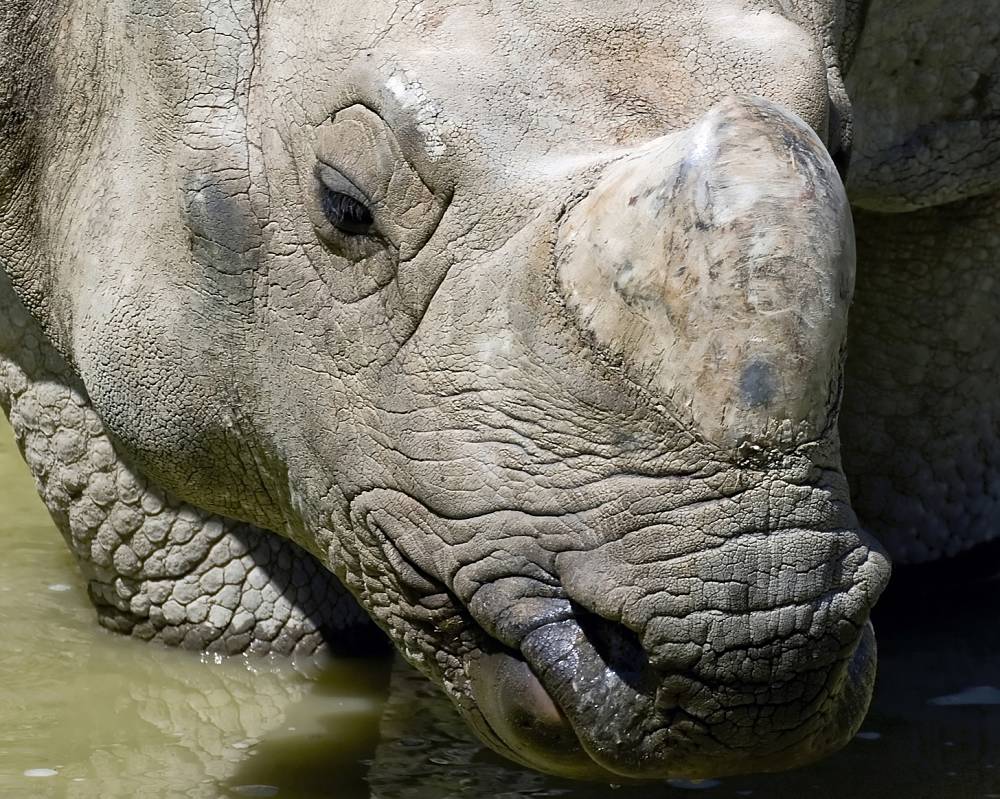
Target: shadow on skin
{"points": [[909, 746]]}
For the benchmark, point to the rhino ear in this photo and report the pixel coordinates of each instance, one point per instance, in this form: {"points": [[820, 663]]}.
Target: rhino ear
{"points": [[925, 87]]}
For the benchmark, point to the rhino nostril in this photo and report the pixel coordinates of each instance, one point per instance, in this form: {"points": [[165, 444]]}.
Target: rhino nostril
{"points": [[619, 648]]}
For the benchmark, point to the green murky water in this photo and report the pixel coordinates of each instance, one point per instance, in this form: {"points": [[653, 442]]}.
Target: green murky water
{"points": [[85, 715]]}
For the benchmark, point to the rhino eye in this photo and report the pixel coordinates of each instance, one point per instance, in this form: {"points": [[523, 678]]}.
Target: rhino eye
{"points": [[344, 205], [348, 215]]}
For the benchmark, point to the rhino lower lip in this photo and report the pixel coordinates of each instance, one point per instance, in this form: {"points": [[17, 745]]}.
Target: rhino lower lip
{"points": [[524, 717]]}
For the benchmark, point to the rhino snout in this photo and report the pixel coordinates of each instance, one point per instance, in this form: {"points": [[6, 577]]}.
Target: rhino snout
{"points": [[622, 542], [687, 639], [755, 654]]}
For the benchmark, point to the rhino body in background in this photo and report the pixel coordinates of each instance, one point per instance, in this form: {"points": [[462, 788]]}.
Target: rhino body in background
{"points": [[526, 323]]}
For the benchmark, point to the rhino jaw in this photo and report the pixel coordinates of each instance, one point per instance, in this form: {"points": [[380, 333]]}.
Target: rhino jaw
{"points": [[718, 264]]}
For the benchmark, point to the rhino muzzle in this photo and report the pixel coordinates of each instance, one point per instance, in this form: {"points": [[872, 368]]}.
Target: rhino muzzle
{"points": [[753, 655], [675, 607], [727, 635], [717, 265]]}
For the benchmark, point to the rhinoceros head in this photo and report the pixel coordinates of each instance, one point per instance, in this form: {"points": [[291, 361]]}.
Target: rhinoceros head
{"points": [[526, 318]]}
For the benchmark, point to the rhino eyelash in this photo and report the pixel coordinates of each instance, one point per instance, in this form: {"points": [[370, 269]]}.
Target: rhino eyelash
{"points": [[346, 214], [344, 205]]}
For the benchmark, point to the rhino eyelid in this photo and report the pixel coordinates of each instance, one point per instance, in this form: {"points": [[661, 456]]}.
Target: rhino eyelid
{"points": [[335, 181], [347, 209]]}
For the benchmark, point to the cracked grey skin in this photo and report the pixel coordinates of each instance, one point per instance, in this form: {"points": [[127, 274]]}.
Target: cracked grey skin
{"points": [[563, 420]]}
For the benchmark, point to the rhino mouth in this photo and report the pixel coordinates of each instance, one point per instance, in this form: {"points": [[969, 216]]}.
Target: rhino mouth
{"points": [[582, 701], [520, 710], [585, 664]]}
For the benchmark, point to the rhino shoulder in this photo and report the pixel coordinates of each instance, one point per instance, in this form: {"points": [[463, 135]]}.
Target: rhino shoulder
{"points": [[925, 87]]}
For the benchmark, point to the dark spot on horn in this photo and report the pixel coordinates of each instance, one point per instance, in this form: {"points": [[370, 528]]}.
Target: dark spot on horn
{"points": [[622, 281], [757, 384]]}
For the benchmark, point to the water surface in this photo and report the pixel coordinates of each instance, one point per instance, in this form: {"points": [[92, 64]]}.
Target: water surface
{"points": [[87, 715]]}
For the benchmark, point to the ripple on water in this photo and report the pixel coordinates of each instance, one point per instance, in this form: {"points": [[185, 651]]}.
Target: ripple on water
{"points": [[979, 695], [693, 785], [256, 790], [40, 772]]}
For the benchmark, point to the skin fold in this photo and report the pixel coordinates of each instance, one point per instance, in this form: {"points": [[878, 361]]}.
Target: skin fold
{"points": [[519, 330]]}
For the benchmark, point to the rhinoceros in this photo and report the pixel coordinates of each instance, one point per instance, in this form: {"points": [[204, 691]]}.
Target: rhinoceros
{"points": [[518, 328]]}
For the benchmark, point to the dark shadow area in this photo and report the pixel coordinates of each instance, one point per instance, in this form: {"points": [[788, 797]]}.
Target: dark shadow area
{"points": [[972, 570], [620, 649]]}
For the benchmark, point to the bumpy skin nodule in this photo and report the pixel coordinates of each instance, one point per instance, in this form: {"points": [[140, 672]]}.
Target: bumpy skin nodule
{"points": [[156, 567], [921, 415], [563, 418]]}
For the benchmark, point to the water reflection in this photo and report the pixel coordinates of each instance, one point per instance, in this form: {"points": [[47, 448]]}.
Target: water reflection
{"points": [[911, 745], [86, 715]]}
